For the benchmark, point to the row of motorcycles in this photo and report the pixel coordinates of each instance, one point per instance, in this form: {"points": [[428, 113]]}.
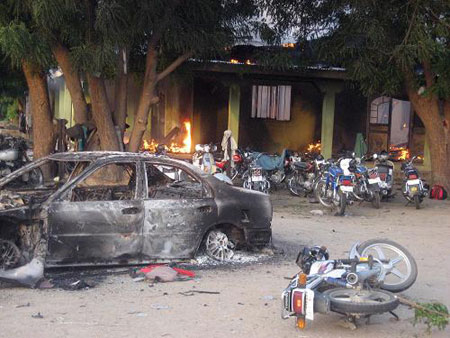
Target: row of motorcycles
{"points": [[334, 183]]}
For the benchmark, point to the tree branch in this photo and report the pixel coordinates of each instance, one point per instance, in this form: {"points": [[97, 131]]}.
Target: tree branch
{"points": [[156, 36], [429, 77], [174, 65]]}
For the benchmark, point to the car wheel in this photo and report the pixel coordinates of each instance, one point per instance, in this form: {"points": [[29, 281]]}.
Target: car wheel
{"points": [[218, 246]]}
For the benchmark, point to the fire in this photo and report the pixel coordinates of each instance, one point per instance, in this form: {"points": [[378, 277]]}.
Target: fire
{"points": [[234, 61], [399, 153], [174, 147], [314, 147]]}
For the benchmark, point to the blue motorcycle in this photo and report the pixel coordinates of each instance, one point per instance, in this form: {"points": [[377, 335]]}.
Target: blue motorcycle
{"points": [[336, 189]]}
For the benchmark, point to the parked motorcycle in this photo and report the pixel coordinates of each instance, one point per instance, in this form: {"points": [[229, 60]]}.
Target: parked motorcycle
{"points": [[385, 170], [305, 176], [367, 187], [255, 178], [275, 168], [240, 164], [336, 187], [13, 154], [413, 188], [359, 286]]}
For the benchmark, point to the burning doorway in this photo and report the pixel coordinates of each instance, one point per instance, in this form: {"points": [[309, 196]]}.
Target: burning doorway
{"points": [[390, 127]]}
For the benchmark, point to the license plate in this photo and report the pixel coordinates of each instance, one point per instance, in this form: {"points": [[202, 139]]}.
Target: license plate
{"points": [[257, 178], [257, 175], [413, 182], [309, 314], [374, 180], [346, 188]]}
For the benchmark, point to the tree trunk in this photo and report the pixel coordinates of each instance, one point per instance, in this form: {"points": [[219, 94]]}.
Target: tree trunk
{"points": [[427, 107], [120, 111], [147, 98], [101, 114], [73, 83], [43, 131]]}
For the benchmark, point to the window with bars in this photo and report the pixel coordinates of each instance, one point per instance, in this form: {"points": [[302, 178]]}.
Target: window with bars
{"points": [[271, 102], [380, 110]]}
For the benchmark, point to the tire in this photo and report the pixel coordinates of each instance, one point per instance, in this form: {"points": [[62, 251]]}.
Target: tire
{"points": [[352, 301], [417, 201], [392, 282], [218, 246], [376, 200], [319, 192], [342, 204], [294, 184]]}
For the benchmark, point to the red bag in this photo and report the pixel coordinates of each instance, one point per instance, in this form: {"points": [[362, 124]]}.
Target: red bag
{"points": [[438, 192]]}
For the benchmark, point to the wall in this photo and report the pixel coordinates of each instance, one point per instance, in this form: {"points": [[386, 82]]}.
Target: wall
{"points": [[210, 110], [273, 136]]}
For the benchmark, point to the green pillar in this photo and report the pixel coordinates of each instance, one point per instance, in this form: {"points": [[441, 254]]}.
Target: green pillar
{"points": [[327, 123], [234, 103], [64, 102], [329, 90]]}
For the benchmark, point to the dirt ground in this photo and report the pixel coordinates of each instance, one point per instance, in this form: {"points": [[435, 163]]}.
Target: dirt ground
{"points": [[249, 301]]}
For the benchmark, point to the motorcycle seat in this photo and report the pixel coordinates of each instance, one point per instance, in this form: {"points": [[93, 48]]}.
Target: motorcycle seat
{"points": [[300, 165]]}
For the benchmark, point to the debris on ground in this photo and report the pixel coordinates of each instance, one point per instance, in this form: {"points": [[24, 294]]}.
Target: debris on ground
{"points": [[160, 307], [192, 292], [37, 316], [316, 212], [161, 273]]}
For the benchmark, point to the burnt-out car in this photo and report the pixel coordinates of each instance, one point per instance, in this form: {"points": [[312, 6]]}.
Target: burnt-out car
{"points": [[123, 208]]}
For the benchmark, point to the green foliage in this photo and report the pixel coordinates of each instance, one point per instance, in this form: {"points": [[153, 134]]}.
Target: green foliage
{"points": [[432, 314], [19, 40], [379, 42]]}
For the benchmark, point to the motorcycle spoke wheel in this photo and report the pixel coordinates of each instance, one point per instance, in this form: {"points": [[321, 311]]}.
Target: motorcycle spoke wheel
{"points": [[218, 246], [361, 301], [400, 265]]}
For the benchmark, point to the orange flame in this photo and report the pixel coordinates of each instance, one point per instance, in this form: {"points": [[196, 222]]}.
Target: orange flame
{"points": [[314, 147], [400, 153], [174, 147]]}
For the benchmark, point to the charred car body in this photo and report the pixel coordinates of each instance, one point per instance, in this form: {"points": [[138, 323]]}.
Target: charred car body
{"points": [[122, 208]]}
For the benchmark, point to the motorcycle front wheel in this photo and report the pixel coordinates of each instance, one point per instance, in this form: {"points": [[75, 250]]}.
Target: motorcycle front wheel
{"points": [[364, 301], [321, 194], [295, 185], [400, 264]]}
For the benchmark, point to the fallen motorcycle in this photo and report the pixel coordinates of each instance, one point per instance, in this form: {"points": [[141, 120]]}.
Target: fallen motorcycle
{"points": [[359, 286]]}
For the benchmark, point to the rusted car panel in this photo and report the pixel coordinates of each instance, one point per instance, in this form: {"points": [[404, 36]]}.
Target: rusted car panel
{"points": [[161, 210]]}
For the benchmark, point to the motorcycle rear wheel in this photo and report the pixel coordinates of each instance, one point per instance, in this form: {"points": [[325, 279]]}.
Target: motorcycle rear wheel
{"points": [[376, 200], [403, 274], [364, 301], [417, 201], [342, 203]]}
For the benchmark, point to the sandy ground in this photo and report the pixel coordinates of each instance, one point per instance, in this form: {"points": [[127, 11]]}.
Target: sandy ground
{"points": [[249, 301]]}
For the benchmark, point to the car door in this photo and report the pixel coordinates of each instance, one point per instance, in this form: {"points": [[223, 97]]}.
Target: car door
{"points": [[99, 219], [179, 207]]}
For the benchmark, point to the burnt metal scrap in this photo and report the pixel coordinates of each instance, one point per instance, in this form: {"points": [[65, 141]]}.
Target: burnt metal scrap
{"points": [[124, 208]]}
